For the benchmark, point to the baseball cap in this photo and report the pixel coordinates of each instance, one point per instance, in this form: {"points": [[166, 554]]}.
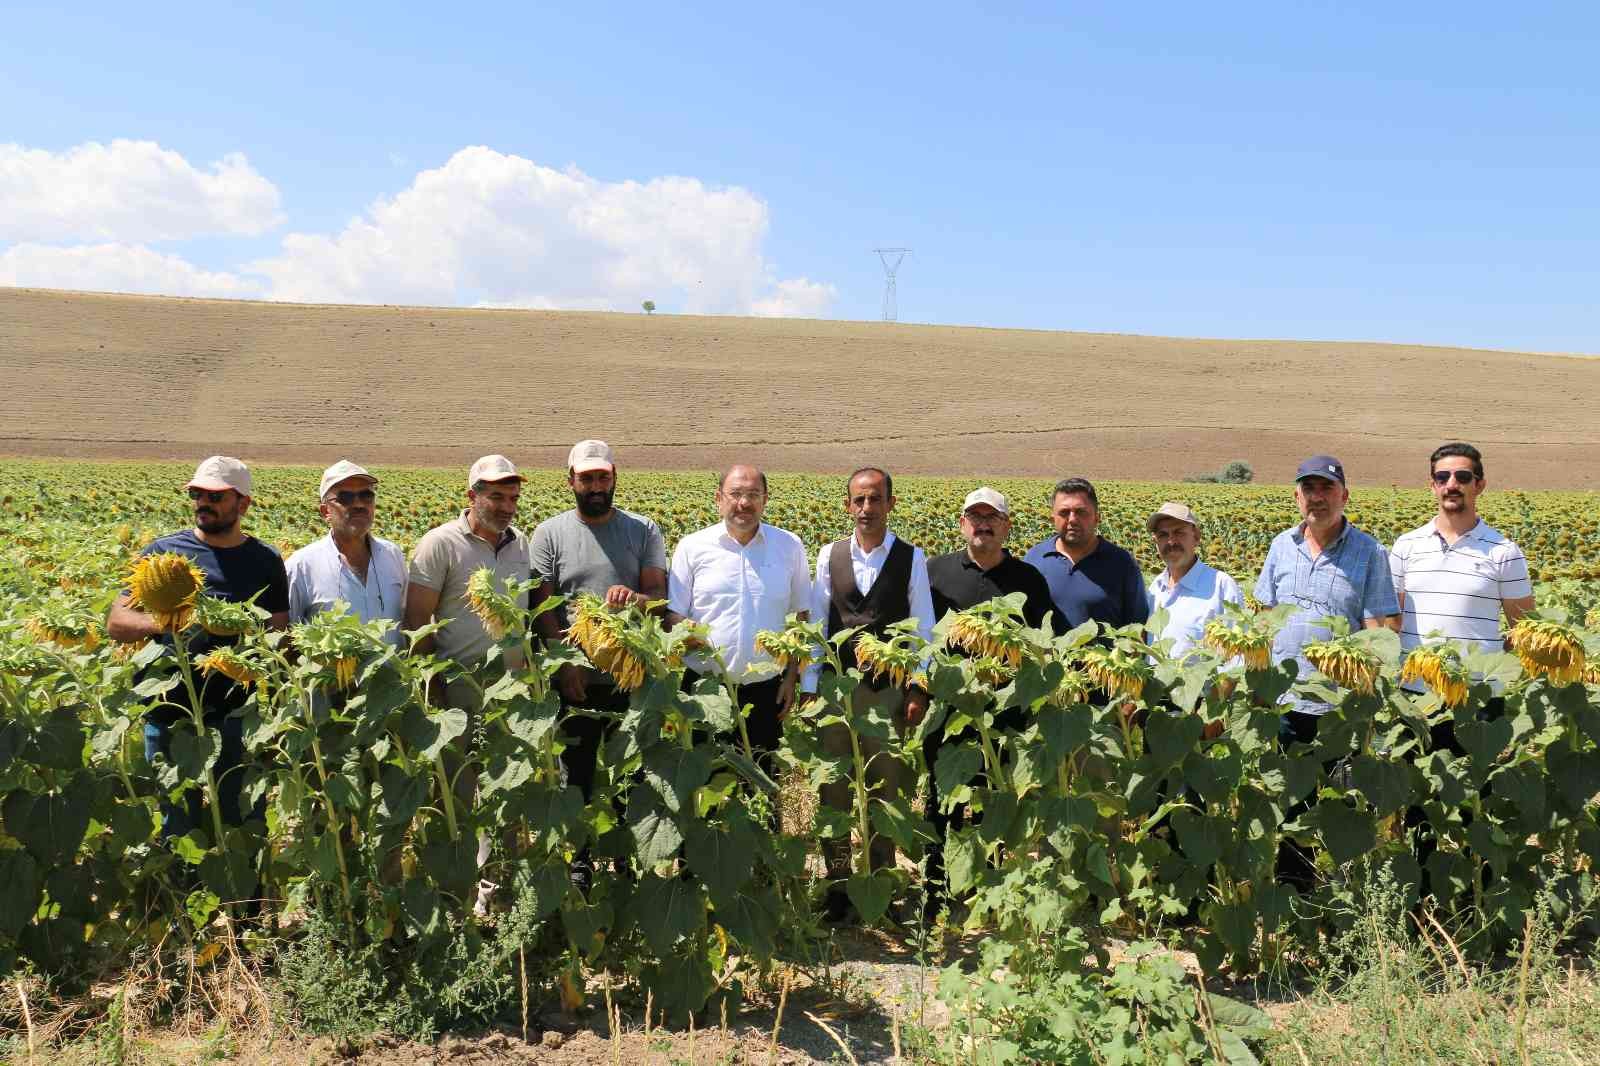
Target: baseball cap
{"points": [[338, 472], [988, 496], [221, 472], [1323, 466], [590, 455], [1171, 509], [493, 468]]}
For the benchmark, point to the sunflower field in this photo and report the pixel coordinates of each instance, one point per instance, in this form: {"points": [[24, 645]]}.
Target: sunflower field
{"points": [[1116, 790]]}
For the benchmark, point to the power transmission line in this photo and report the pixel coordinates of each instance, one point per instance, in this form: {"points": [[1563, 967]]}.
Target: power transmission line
{"points": [[891, 259]]}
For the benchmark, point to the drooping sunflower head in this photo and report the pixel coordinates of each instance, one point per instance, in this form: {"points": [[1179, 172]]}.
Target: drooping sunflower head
{"points": [[1549, 649], [1345, 663], [224, 618], [1120, 672], [1073, 688], [164, 586], [498, 613], [789, 646], [985, 634], [229, 663], [1251, 643], [604, 638], [1439, 667], [879, 658], [67, 623]]}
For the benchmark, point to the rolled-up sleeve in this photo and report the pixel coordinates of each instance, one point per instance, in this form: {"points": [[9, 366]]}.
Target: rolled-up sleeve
{"points": [[819, 613], [1378, 599], [680, 581]]}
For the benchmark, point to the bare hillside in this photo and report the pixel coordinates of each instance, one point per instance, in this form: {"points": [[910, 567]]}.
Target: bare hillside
{"points": [[150, 377]]}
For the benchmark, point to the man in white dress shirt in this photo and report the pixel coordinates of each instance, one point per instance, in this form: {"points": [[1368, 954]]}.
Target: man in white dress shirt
{"points": [[739, 577], [350, 564], [1189, 590], [870, 579]]}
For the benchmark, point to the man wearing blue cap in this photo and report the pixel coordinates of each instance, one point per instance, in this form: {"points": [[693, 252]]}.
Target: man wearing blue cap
{"points": [[1327, 567]]}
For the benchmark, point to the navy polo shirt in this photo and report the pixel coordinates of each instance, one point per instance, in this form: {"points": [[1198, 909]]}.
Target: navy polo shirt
{"points": [[1106, 586]]}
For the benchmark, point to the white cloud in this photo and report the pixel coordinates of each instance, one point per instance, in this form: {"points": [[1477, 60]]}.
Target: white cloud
{"points": [[116, 268], [490, 229], [129, 191], [796, 298]]}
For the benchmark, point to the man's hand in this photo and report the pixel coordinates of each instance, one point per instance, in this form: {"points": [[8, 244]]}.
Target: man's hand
{"points": [[916, 705], [786, 694], [620, 596], [1213, 730], [573, 682]]}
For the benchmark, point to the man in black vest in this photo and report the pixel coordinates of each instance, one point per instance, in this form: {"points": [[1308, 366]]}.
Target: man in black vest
{"points": [[870, 579]]}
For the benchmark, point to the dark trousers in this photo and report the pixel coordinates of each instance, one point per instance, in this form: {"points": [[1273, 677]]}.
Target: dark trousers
{"points": [[1296, 865], [588, 734], [176, 820]]}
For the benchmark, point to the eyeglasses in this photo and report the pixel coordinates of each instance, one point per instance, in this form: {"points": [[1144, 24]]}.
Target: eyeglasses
{"points": [[348, 496], [745, 497], [208, 495], [1463, 477]]}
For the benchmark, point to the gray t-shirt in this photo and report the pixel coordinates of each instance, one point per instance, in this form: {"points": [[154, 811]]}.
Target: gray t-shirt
{"points": [[577, 557]]}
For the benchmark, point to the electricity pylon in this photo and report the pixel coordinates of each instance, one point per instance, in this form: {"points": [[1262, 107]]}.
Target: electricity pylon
{"points": [[891, 259]]}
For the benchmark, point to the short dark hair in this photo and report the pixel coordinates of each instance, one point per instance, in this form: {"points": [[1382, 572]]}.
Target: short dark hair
{"points": [[1075, 486], [888, 482], [762, 474], [1461, 449]]}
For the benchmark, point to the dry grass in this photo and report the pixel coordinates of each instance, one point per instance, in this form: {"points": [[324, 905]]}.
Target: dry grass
{"points": [[149, 377]]}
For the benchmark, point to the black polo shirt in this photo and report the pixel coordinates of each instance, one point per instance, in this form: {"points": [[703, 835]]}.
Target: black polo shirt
{"points": [[958, 583]]}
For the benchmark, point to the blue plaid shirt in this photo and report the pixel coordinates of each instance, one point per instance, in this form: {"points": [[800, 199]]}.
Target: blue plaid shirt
{"points": [[1350, 578]]}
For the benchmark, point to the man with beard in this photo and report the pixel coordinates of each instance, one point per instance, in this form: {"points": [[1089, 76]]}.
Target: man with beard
{"points": [[870, 580], [1090, 578], [1455, 575], [614, 554], [982, 571], [237, 568], [739, 577], [1327, 567], [349, 565], [1188, 589]]}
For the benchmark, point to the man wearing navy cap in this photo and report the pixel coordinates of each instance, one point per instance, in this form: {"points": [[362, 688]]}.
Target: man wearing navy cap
{"points": [[1327, 567]]}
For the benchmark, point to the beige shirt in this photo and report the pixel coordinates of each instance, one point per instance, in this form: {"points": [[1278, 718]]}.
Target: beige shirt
{"points": [[444, 559]]}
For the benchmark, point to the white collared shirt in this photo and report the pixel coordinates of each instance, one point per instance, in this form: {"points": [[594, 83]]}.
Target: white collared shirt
{"points": [[319, 575], [1456, 590], [866, 566], [738, 590], [1196, 598]]}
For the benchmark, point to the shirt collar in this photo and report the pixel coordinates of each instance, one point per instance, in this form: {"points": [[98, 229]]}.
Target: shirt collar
{"points": [[868, 556], [1190, 581], [968, 563], [727, 535], [1344, 531], [1475, 532], [466, 527]]}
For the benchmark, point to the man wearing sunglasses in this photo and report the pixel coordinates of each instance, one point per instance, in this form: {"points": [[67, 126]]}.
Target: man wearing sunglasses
{"points": [[348, 565], [237, 567], [1457, 574]]}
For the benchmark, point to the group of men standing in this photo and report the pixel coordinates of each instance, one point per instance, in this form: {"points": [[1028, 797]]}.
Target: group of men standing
{"points": [[1451, 578]]}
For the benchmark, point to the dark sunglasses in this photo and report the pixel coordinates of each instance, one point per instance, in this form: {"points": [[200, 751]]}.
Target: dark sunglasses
{"points": [[208, 495], [348, 496], [1463, 477]]}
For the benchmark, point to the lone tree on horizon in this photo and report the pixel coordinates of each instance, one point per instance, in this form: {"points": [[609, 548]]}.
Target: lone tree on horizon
{"points": [[649, 307]]}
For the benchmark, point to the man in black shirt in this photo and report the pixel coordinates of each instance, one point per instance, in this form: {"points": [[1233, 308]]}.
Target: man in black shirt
{"points": [[982, 571], [237, 566]]}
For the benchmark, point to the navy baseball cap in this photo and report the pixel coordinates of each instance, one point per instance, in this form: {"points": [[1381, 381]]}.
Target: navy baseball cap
{"points": [[1323, 466]]}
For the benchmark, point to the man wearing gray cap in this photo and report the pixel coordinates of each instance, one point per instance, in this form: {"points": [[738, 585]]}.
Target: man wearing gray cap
{"points": [[608, 552], [1190, 591], [1326, 567], [349, 565], [237, 568]]}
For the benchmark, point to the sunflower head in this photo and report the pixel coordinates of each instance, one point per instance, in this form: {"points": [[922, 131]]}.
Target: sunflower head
{"points": [[1249, 642], [1118, 671], [224, 618], [229, 663], [497, 611], [603, 635], [164, 586], [67, 623], [1439, 667], [1549, 649], [1345, 663], [789, 646], [986, 634]]}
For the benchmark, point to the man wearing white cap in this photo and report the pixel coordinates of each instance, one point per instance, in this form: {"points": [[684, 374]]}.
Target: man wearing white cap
{"points": [[482, 536], [982, 571], [237, 567], [608, 552], [1189, 590], [349, 565]]}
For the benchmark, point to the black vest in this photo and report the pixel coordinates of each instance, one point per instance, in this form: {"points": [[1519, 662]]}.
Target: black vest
{"points": [[887, 603]]}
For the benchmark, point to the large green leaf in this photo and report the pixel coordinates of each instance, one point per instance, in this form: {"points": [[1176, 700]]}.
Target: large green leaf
{"points": [[871, 894], [57, 740], [1065, 729], [656, 837], [751, 919], [895, 820], [667, 909], [675, 773], [1383, 783], [963, 858], [1292, 777], [956, 765], [1576, 774], [51, 826], [1483, 742], [19, 873], [1347, 833], [722, 858], [399, 794], [429, 734], [1168, 738], [1202, 837], [193, 753]]}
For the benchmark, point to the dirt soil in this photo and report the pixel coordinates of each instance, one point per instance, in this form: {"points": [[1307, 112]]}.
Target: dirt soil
{"points": [[105, 376]]}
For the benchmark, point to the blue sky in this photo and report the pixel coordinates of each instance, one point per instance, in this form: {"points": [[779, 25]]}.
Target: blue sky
{"points": [[1418, 173]]}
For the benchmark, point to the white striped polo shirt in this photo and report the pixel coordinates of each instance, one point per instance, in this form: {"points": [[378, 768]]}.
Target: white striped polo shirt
{"points": [[1455, 590]]}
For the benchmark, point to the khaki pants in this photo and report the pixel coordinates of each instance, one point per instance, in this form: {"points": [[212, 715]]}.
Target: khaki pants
{"points": [[886, 776]]}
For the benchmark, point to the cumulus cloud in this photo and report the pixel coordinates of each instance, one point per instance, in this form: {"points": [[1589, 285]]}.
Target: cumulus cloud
{"points": [[497, 230], [129, 191], [116, 268]]}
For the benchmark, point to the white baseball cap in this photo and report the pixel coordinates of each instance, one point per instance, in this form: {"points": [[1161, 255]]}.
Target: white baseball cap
{"points": [[590, 455], [1171, 509], [341, 471], [221, 472], [493, 468], [988, 496]]}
